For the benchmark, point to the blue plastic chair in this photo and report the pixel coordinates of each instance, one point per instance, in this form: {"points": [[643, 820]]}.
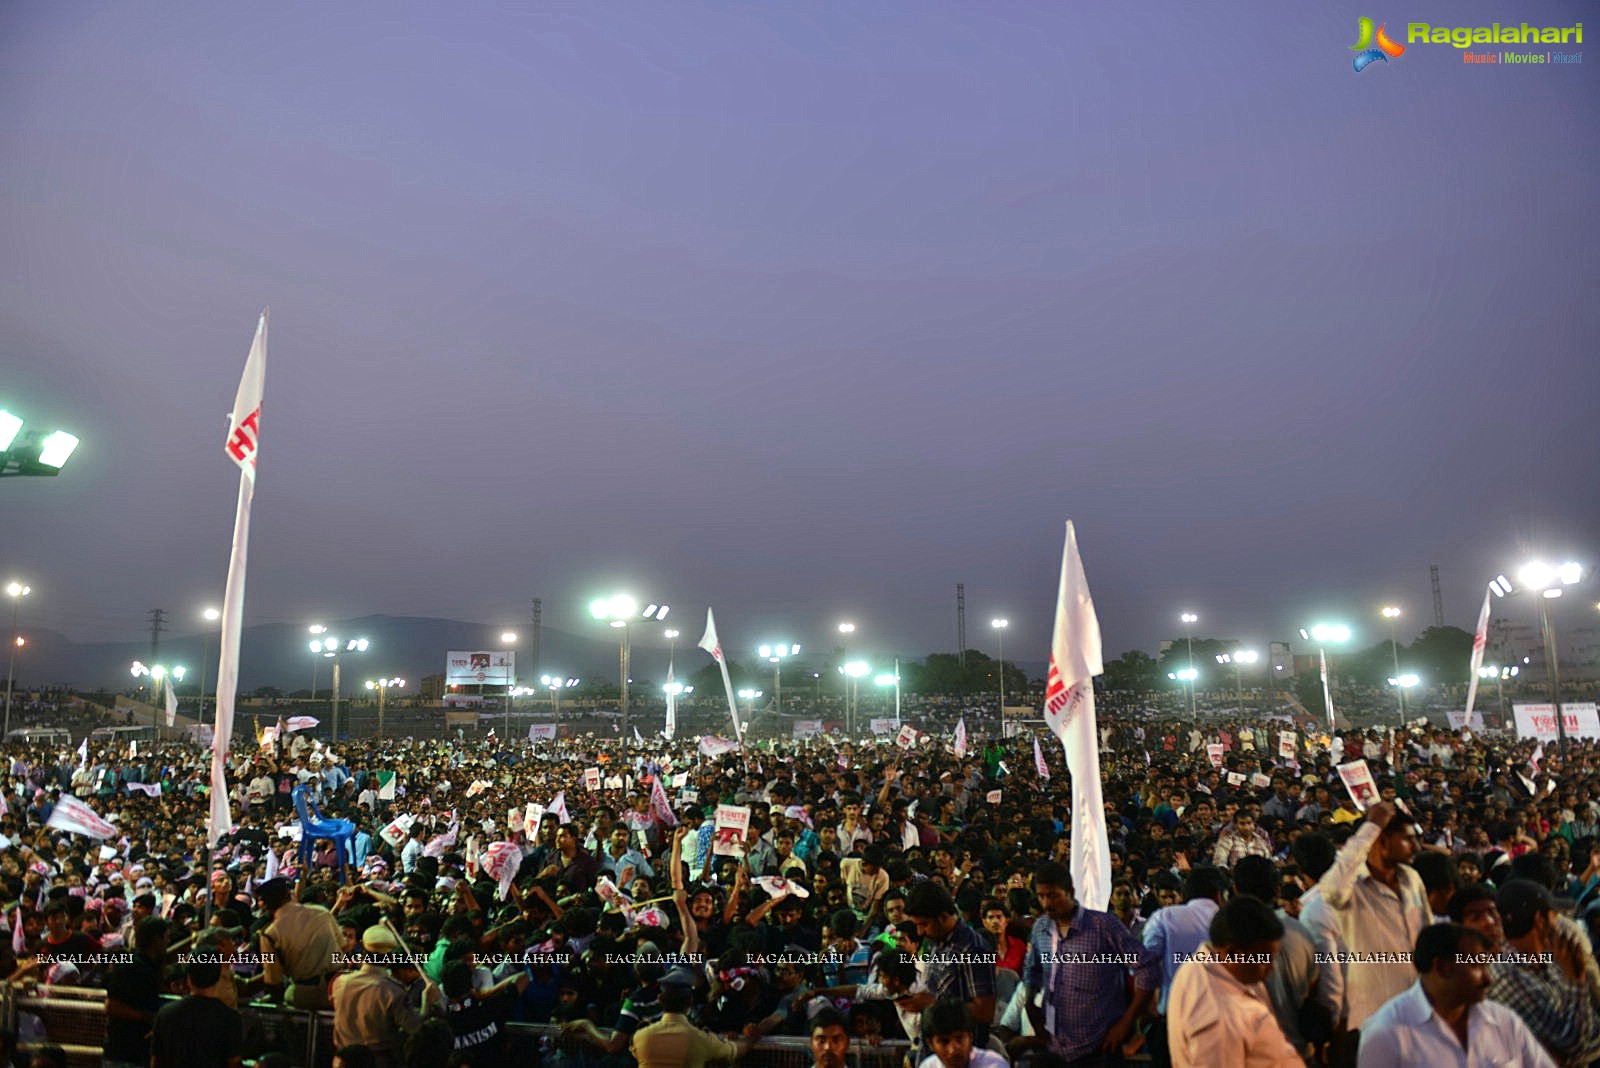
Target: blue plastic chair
{"points": [[313, 826]]}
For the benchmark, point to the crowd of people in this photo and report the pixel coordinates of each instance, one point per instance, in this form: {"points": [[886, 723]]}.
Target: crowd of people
{"points": [[858, 894]]}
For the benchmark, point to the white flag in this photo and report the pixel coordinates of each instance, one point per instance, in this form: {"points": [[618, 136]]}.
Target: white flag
{"points": [[1075, 660], [439, 843], [672, 706], [1038, 762], [1480, 640], [70, 814], [172, 706], [300, 723], [1327, 694], [83, 751], [149, 789], [961, 738], [711, 644], [244, 433]]}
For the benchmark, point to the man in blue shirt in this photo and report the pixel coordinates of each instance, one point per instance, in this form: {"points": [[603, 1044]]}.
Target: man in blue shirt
{"points": [[1077, 964]]}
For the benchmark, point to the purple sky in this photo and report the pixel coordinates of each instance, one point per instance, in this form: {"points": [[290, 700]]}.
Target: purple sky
{"points": [[804, 311]]}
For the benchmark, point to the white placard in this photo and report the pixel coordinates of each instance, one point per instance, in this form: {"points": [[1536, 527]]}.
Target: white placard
{"points": [[1539, 721], [732, 821], [1358, 780]]}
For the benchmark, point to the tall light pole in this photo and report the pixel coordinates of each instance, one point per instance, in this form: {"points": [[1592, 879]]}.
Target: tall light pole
{"points": [[382, 686], [854, 671], [555, 684], [1324, 634], [1547, 581], [846, 630], [315, 630], [999, 626], [1189, 620], [621, 612], [331, 648], [158, 675], [210, 615], [509, 638], [1392, 613], [893, 680], [750, 695], [1238, 658], [774, 655], [16, 591], [1499, 675]]}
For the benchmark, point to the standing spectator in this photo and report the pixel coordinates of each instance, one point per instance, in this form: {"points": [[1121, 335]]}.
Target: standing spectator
{"points": [[1242, 838], [199, 1031], [1177, 931], [1442, 1018], [960, 964], [1293, 982], [1078, 964], [1219, 1012], [1380, 906], [133, 996], [1552, 999]]}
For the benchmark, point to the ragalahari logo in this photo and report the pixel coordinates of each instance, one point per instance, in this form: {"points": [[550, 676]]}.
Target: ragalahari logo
{"points": [[1372, 46]]}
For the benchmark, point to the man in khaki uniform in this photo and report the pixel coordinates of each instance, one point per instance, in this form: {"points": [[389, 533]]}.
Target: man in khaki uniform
{"points": [[674, 1042], [370, 1006], [300, 945]]}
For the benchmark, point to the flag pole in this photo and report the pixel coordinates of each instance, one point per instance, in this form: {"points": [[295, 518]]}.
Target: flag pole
{"points": [[240, 445]]}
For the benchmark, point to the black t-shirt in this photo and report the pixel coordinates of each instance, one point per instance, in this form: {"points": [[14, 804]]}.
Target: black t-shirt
{"points": [[137, 984], [479, 1029], [196, 1033]]}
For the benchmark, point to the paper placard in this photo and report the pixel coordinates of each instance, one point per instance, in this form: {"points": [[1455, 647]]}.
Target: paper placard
{"points": [[591, 779], [992, 797], [1286, 744], [1214, 751], [1260, 780], [907, 738], [1358, 780], [398, 831], [1235, 778], [732, 821]]}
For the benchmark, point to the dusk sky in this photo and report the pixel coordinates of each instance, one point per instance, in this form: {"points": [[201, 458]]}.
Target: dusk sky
{"points": [[805, 311]]}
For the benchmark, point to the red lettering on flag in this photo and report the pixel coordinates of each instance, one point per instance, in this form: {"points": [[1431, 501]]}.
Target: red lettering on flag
{"points": [[242, 444]]}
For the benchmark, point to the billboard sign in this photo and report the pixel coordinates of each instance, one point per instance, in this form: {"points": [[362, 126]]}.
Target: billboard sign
{"points": [[491, 667]]}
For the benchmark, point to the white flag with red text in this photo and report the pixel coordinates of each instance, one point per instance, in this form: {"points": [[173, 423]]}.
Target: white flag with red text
{"points": [[1038, 761], [1075, 659], [70, 814], [172, 705], [1480, 641], [713, 645], [244, 434], [961, 738]]}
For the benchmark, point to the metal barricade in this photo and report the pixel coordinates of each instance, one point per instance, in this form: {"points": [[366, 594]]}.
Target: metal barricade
{"points": [[75, 1019]]}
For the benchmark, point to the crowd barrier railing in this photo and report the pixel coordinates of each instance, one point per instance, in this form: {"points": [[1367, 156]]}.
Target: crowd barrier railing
{"points": [[74, 1018]]}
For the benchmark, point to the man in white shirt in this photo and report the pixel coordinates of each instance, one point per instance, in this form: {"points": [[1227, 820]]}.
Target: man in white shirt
{"points": [[1219, 1012], [1380, 906], [1442, 1020]]}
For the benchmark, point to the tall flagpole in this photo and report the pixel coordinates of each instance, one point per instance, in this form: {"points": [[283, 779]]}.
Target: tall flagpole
{"points": [[1075, 659], [243, 437]]}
